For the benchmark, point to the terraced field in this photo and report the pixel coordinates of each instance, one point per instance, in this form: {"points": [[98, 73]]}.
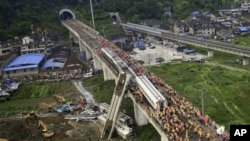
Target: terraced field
{"points": [[28, 96], [226, 92]]}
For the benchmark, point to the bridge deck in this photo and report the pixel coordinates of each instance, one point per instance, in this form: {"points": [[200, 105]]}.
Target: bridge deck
{"points": [[180, 120], [205, 43]]}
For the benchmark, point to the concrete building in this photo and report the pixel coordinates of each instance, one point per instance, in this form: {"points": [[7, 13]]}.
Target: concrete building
{"points": [[33, 48], [23, 66], [61, 62]]}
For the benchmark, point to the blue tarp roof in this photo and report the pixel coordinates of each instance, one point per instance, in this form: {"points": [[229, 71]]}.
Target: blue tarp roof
{"points": [[24, 62], [243, 29], [138, 43], [54, 63], [195, 13]]}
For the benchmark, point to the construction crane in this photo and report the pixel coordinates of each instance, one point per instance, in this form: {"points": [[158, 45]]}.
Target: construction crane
{"points": [[45, 132]]}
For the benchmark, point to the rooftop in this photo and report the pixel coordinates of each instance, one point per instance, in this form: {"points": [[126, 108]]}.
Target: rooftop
{"points": [[24, 61], [54, 63]]}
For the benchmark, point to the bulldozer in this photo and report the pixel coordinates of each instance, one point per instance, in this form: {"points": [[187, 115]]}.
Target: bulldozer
{"points": [[45, 132]]}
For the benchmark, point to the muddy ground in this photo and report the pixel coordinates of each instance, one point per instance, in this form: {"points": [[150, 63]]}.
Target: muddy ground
{"points": [[26, 129]]}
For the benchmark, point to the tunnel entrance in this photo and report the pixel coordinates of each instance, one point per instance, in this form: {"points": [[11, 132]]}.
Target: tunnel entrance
{"points": [[114, 18], [66, 14]]}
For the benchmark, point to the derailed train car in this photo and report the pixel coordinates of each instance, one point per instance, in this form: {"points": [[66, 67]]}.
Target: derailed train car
{"points": [[153, 96]]}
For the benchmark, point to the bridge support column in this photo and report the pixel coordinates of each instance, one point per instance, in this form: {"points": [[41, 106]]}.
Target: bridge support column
{"points": [[210, 53], [163, 137], [82, 51], [88, 53], [97, 63], [140, 118], [75, 39], [107, 74], [245, 61], [85, 53]]}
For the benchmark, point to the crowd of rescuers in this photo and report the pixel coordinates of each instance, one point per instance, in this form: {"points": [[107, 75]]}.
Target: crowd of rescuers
{"points": [[181, 120]]}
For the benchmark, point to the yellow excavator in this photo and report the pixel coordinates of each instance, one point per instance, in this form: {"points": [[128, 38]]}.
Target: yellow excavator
{"points": [[45, 132], [59, 98], [1, 139], [31, 114]]}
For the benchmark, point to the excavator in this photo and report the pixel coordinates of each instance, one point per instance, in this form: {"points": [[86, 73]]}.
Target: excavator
{"points": [[31, 114], [48, 107], [59, 98], [1, 139], [45, 132]]}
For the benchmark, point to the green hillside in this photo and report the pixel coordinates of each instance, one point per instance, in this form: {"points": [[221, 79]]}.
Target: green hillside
{"points": [[18, 16]]}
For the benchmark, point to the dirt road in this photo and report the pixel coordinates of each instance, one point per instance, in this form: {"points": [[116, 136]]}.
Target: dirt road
{"points": [[84, 92]]}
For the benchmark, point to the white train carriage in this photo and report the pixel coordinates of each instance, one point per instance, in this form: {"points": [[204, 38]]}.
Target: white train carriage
{"points": [[113, 58], [154, 97], [122, 118], [123, 130]]}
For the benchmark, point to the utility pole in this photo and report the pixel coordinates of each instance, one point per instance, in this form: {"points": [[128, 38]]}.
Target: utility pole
{"points": [[202, 102], [93, 21], [103, 31]]}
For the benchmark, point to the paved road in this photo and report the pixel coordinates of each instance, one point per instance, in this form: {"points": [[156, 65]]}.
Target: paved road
{"points": [[226, 66], [83, 91]]}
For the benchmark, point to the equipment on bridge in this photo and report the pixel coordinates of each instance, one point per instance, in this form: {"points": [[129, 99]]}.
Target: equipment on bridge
{"points": [[154, 97]]}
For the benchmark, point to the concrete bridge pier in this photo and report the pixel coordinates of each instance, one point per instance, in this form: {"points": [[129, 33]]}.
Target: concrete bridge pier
{"points": [[72, 36], [210, 53], [245, 61], [97, 63], [107, 74], [140, 118], [83, 48], [88, 53]]}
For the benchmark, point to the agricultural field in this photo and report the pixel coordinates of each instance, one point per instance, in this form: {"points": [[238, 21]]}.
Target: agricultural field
{"points": [[242, 40], [223, 58], [225, 92], [28, 96]]}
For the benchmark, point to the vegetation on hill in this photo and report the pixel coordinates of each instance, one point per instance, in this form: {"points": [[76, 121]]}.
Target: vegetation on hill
{"points": [[18, 16]]}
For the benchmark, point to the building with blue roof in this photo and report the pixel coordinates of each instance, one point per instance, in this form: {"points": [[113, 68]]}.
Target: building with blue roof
{"points": [[23, 66], [243, 29], [54, 63]]}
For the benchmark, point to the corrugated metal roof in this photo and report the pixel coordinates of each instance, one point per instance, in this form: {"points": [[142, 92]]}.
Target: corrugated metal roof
{"points": [[243, 29], [54, 63], [25, 61]]}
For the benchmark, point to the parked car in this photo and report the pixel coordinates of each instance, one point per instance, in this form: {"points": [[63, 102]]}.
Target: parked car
{"points": [[151, 47], [159, 60], [140, 61]]}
